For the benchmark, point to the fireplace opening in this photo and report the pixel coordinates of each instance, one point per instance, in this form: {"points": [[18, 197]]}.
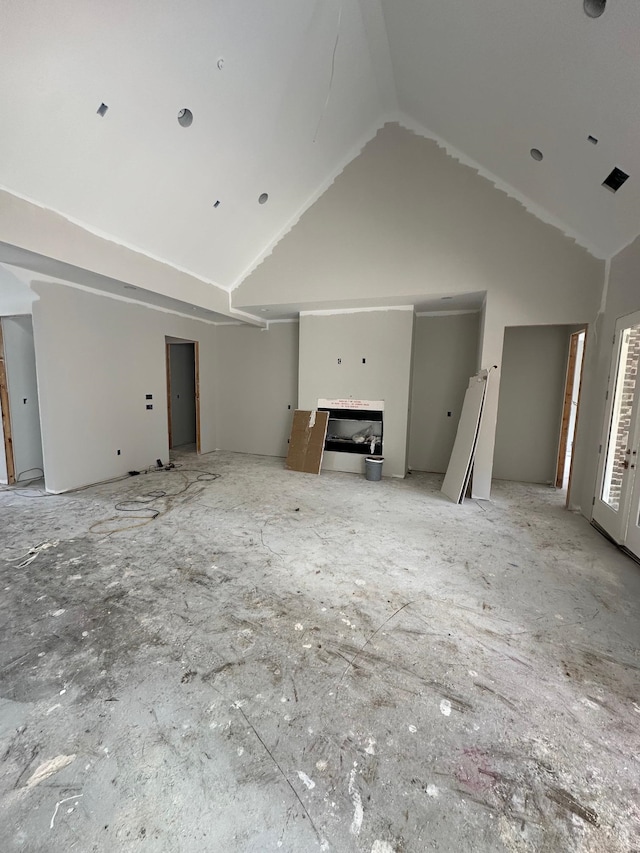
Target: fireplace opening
{"points": [[355, 426]]}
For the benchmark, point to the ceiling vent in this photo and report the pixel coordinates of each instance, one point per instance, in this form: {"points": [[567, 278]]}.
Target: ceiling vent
{"points": [[615, 180]]}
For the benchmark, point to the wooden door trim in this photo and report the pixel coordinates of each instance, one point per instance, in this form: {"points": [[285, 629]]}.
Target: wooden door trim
{"points": [[196, 358], [575, 426], [6, 415], [168, 357], [566, 409]]}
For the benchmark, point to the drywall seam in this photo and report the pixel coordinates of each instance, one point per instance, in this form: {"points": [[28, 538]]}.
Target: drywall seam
{"points": [[448, 313], [375, 27], [251, 318], [329, 312], [535, 210], [110, 239], [117, 298], [318, 192]]}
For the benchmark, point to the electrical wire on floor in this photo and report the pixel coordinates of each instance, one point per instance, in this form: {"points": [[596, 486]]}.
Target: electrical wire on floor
{"points": [[141, 510], [15, 487]]}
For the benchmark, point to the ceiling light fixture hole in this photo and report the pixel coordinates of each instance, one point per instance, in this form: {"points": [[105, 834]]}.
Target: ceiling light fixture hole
{"points": [[536, 153], [263, 198], [185, 117], [594, 8]]}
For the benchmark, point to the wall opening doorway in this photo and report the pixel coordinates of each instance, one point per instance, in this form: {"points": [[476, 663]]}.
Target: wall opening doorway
{"points": [[570, 410], [183, 393], [21, 457], [9, 472], [616, 508]]}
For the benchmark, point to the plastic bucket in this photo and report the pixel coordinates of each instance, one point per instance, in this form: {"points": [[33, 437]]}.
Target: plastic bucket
{"points": [[373, 467]]}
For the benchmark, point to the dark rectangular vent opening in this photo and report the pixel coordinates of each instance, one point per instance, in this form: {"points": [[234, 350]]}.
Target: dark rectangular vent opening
{"points": [[615, 180]]}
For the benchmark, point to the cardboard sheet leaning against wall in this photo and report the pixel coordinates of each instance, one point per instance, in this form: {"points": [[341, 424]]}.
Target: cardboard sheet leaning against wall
{"points": [[306, 444]]}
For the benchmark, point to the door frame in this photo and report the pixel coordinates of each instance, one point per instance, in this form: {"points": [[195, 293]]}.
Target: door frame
{"points": [[6, 414], [569, 388], [196, 367], [615, 523]]}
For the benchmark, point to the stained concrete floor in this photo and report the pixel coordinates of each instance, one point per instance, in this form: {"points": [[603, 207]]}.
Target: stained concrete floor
{"points": [[288, 662]]}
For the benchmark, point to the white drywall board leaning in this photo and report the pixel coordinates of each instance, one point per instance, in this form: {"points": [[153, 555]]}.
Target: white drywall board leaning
{"points": [[459, 469]]}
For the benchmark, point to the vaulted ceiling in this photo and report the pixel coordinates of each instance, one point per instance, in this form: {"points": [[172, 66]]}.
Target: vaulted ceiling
{"points": [[284, 93]]}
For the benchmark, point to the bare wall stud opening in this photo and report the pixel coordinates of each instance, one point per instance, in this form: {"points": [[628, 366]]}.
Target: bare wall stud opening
{"points": [[185, 117], [102, 110], [594, 8], [263, 198]]}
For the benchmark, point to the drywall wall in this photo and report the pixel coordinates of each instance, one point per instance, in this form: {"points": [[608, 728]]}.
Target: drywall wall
{"points": [[622, 297], [15, 295], [405, 221], [257, 387], [32, 228], [22, 384], [183, 394], [445, 350], [532, 385], [332, 349], [97, 358]]}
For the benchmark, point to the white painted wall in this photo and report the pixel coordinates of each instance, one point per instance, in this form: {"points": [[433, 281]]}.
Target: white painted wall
{"points": [[444, 357], [97, 357], [183, 394], [531, 397], [23, 396], [385, 340], [622, 297], [257, 387]]}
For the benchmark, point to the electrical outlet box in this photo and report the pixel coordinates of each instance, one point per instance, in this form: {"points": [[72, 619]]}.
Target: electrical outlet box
{"points": [[149, 405], [117, 453], [148, 396]]}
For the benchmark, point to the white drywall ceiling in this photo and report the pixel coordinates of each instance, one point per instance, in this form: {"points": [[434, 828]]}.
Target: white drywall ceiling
{"points": [[303, 85], [495, 78], [296, 98]]}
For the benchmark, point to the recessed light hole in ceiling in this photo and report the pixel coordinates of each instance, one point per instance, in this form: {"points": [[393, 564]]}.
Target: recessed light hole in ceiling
{"points": [[536, 153], [185, 118], [263, 198], [592, 139], [102, 110], [594, 8], [615, 180]]}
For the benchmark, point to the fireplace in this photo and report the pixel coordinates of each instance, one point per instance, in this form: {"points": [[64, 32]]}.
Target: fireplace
{"points": [[355, 426]]}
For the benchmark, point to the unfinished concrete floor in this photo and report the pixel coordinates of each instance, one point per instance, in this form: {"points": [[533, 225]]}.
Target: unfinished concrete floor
{"points": [[288, 662]]}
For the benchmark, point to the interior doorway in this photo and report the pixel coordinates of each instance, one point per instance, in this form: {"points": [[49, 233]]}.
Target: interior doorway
{"points": [[616, 509], [9, 463], [570, 410], [21, 456], [183, 393]]}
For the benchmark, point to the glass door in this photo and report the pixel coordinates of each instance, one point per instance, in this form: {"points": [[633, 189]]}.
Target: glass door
{"points": [[617, 505]]}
